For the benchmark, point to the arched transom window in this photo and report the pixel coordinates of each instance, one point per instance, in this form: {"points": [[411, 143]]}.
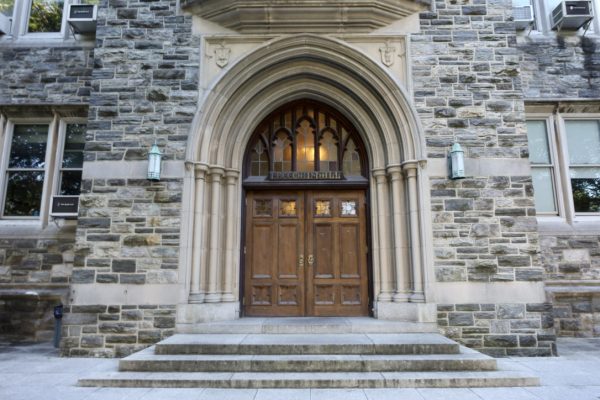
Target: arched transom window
{"points": [[305, 140]]}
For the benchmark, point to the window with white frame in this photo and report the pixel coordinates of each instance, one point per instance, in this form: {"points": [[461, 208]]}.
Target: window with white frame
{"points": [[36, 19], [41, 159], [564, 152]]}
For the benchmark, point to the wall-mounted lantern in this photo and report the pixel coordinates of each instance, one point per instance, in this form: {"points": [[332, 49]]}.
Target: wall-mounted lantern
{"points": [[154, 158], [456, 162]]}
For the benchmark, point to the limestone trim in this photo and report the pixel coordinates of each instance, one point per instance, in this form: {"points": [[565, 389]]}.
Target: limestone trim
{"points": [[410, 169], [327, 70], [196, 290]]}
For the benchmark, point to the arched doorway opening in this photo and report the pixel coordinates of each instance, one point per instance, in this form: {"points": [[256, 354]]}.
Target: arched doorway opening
{"points": [[305, 234], [330, 72]]}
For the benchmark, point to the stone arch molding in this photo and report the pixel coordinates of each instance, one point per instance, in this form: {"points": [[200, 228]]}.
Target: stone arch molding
{"points": [[280, 71]]}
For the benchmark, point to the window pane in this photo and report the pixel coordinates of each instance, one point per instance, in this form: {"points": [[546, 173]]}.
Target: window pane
{"points": [[74, 144], [583, 139], [70, 183], [28, 147], [45, 16], [259, 160], [351, 160], [586, 194], [585, 183], [544, 190], [7, 7], [537, 137], [282, 153], [305, 147], [328, 153], [24, 193]]}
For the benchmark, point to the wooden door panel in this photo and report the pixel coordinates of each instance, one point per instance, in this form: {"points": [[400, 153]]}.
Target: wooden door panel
{"points": [[287, 250], [323, 238], [262, 250], [349, 245]]}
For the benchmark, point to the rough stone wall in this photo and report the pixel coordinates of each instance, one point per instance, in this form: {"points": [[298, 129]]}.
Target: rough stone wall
{"points": [[145, 89], [45, 75], [467, 89], [36, 261], [114, 330], [501, 330], [128, 232], [572, 264], [560, 66]]}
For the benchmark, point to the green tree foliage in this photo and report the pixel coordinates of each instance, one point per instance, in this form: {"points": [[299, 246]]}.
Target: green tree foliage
{"points": [[6, 7], [45, 16]]}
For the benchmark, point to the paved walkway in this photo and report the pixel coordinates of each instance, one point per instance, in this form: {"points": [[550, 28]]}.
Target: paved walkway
{"points": [[29, 372]]}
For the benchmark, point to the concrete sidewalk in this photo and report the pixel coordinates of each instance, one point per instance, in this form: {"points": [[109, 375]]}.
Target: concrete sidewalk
{"points": [[36, 372]]}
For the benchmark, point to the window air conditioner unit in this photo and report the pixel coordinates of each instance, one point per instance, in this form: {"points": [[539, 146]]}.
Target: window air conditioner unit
{"points": [[5, 23], [64, 206], [572, 14], [523, 16], [82, 17]]}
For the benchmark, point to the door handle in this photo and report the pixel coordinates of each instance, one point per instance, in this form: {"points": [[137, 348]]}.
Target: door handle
{"points": [[311, 260], [301, 261]]}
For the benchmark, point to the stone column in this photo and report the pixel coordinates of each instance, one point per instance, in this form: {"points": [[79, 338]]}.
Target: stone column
{"points": [[385, 294], [398, 208], [230, 233], [213, 295], [196, 292], [411, 169]]}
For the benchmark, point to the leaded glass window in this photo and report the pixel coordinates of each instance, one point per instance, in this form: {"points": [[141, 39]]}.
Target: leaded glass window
{"points": [[305, 137]]}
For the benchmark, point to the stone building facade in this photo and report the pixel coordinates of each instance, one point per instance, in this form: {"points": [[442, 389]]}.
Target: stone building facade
{"points": [[487, 258]]}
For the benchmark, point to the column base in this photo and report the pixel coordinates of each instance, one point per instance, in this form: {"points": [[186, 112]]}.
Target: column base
{"points": [[190, 314], [401, 297], [384, 297], [408, 312], [196, 298], [212, 298], [227, 298], [417, 297]]}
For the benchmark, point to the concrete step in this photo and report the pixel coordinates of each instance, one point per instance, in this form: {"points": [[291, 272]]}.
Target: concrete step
{"points": [[287, 344], [312, 380], [147, 361], [292, 325]]}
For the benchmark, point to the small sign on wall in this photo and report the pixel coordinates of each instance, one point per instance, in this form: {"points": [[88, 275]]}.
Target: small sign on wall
{"points": [[65, 206]]}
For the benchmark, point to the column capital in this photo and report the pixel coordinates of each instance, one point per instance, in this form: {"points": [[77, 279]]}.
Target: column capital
{"points": [[216, 171], [380, 175], [232, 174], [395, 171]]}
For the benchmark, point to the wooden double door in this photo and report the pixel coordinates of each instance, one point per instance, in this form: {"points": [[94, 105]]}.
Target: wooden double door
{"points": [[306, 253]]}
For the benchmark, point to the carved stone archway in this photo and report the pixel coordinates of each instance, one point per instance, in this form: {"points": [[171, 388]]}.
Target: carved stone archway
{"points": [[328, 71]]}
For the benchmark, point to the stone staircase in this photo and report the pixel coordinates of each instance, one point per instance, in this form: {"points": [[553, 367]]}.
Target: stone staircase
{"points": [[305, 355]]}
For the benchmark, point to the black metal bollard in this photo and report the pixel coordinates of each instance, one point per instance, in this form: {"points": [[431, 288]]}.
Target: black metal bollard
{"points": [[58, 314]]}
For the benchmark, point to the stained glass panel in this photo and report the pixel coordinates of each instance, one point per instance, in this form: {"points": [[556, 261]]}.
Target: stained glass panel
{"points": [[322, 208], [263, 207], [348, 209], [287, 208]]}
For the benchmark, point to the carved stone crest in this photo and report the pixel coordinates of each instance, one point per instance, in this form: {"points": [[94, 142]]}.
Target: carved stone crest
{"points": [[222, 55], [387, 54]]}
